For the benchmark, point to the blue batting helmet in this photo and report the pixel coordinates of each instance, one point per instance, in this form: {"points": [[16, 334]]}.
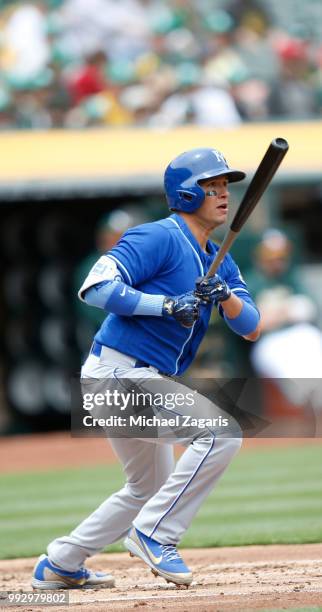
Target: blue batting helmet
{"points": [[182, 176]]}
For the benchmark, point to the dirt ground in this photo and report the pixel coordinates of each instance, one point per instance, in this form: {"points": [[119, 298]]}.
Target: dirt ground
{"points": [[58, 450], [225, 579]]}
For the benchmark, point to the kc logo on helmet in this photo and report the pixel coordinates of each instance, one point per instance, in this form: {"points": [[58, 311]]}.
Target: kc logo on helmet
{"points": [[219, 156]]}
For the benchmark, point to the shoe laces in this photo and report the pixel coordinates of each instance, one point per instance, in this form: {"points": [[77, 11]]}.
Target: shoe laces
{"points": [[170, 552]]}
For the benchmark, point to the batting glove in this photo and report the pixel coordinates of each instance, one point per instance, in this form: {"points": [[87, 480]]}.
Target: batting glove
{"points": [[183, 308], [212, 290]]}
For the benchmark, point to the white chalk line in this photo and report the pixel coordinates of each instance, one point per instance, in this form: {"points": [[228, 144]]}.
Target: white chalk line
{"points": [[265, 564], [186, 594]]}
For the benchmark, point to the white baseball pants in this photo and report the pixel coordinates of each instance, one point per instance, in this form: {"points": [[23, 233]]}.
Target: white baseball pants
{"points": [[159, 498]]}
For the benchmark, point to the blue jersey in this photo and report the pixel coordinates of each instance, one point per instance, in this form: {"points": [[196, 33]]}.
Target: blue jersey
{"points": [[164, 258]]}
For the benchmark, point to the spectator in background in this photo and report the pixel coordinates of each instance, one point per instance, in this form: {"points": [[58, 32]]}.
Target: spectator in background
{"points": [[246, 66], [203, 105], [237, 58], [222, 60], [290, 348], [294, 93], [251, 97], [58, 96], [120, 28], [24, 40], [89, 78], [31, 102]]}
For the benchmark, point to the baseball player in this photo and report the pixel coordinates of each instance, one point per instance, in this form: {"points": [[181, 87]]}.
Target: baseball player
{"points": [[158, 315]]}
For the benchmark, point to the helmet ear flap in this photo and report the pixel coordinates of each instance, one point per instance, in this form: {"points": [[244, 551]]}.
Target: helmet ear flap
{"points": [[190, 199], [185, 200], [185, 195]]}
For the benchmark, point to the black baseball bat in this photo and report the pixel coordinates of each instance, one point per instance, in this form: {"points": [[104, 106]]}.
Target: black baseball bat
{"points": [[259, 183]]}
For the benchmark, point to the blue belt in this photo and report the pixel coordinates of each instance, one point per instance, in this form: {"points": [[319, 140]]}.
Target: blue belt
{"points": [[96, 350]]}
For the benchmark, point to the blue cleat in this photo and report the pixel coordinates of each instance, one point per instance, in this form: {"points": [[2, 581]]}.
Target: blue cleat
{"points": [[163, 559], [46, 575]]}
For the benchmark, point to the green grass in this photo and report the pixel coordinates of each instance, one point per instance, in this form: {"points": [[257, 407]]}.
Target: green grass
{"points": [[267, 496]]}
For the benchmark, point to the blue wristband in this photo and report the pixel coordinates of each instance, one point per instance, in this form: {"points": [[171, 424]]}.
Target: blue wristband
{"points": [[246, 322], [119, 298]]}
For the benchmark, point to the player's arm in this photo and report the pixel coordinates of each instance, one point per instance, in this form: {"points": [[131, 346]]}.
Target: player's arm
{"points": [[105, 288], [241, 316], [233, 301]]}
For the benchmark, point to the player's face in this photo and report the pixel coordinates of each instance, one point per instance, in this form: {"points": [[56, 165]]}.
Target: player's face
{"points": [[215, 206]]}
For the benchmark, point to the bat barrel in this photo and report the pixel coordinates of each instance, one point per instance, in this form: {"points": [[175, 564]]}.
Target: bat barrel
{"points": [[263, 176], [281, 143]]}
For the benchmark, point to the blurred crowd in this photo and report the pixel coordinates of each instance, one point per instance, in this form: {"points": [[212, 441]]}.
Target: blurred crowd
{"points": [[157, 63]]}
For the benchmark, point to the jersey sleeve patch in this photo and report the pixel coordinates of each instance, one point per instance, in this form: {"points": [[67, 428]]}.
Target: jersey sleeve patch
{"points": [[105, 269]]}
